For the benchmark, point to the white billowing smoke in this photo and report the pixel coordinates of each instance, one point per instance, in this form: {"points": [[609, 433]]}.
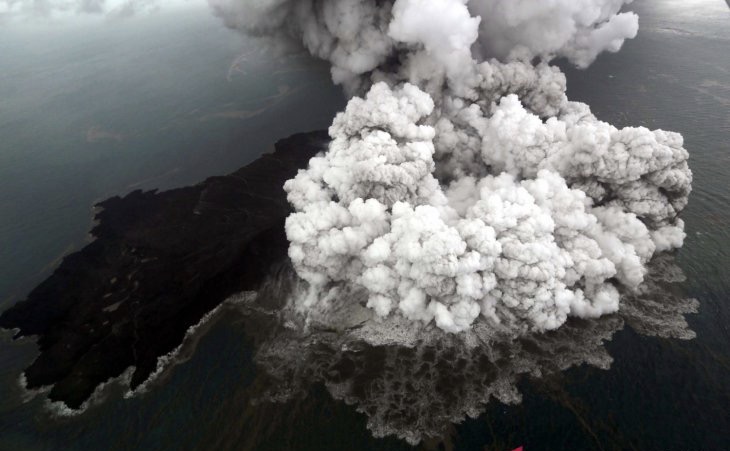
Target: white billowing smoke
{"points": [[456, 189], [576, 29]]}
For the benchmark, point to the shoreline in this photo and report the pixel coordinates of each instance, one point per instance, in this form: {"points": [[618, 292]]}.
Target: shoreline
{"points": [[159, 263]]}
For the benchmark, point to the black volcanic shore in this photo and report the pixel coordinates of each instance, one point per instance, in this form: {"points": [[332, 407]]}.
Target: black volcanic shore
{"points": [[160, 261]]}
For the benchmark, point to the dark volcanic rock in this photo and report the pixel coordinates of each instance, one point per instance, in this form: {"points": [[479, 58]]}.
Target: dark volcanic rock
{"points": [[160, 262]]}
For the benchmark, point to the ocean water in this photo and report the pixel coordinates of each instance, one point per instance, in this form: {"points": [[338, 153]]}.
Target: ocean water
{"points": [[82, 119], [92, 110]]}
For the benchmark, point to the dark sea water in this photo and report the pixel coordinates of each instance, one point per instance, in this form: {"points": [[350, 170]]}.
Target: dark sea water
{"points": [[94, 112]]}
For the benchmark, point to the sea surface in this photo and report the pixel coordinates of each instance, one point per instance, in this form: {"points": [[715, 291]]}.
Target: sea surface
{"points": [[164, 101]]}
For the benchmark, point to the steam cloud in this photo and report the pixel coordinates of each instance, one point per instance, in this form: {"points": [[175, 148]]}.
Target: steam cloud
{"points": [[415, 385], [460, 181]]}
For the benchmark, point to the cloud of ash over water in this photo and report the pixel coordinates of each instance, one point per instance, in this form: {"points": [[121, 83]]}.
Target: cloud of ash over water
{"points": [[418, 383], [461, 183]]}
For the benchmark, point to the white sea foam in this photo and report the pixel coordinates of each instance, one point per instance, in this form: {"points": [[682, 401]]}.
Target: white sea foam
{"points": [[183, 352]]}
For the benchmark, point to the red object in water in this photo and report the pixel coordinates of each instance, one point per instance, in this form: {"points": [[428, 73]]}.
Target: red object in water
{"points": [[518, 449]]}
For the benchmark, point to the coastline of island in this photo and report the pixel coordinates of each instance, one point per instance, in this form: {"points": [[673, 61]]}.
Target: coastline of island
{"points": [[160, 262]]}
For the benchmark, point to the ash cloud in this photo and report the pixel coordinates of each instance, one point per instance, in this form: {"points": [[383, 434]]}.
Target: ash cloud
{"points": [[415, 384], [575, 29], [461, 182]]}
